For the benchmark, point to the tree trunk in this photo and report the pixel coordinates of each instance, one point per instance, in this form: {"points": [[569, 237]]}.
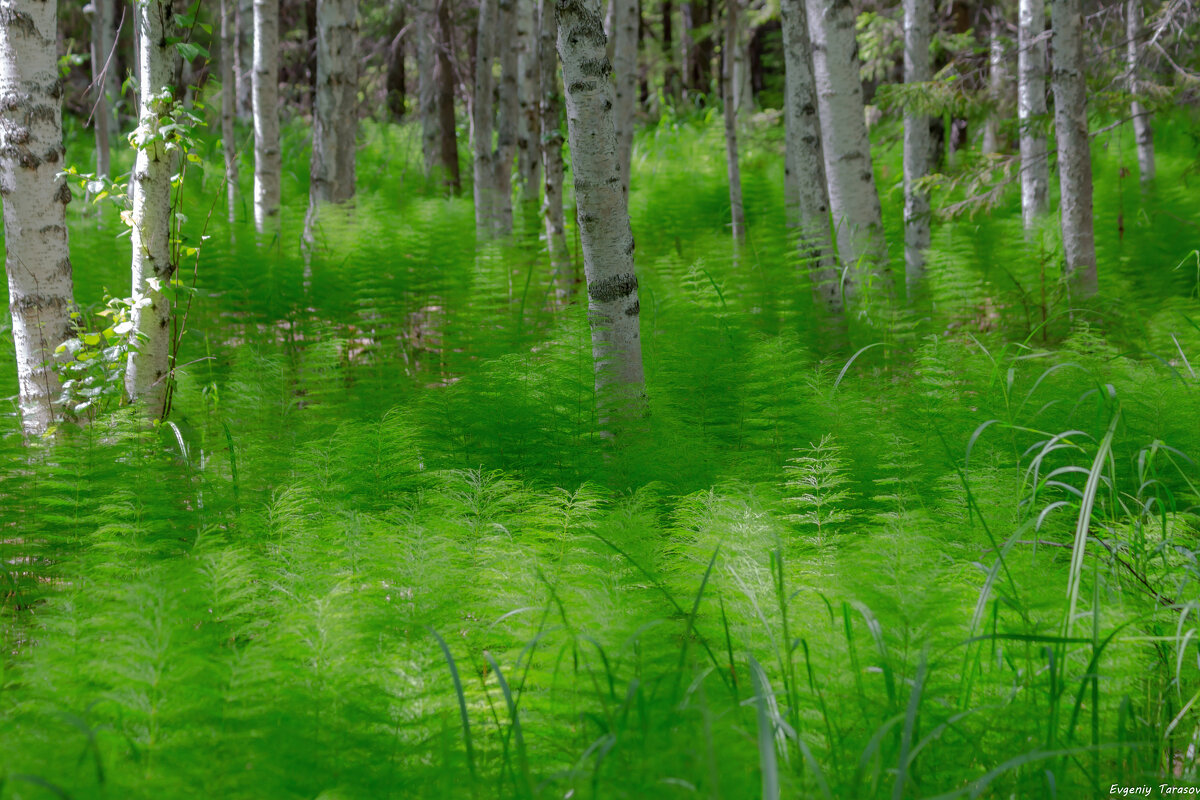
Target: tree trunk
{"points": [[147, 376], [996, 81], [335, 121], [625, 67], [396, 79], [670, 67], [267, 158], [918, 21], [427, 96], [550, 124], [529, 96], [507, 117], [806, 195], [605, 234], [1143, 133], [739, 76], [737, 212], [244, 66], [697, 49], [854, 201], [1031, 108], [104, 84], [445, 99], [37, 258], [482, 110], [228, 107], [1074, 148]]}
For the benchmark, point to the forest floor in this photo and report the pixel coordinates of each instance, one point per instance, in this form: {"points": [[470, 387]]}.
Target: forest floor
{"points": [[381, 552]]}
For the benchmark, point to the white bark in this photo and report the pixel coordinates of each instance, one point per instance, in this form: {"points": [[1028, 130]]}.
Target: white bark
{"points": [[243, 67], [1074, 149], [424, 33], [508, 113], [37, 258], [229, 107], [737, 211], [147, 377], [854, 201], [482, 127], [605, 235], [529, 98], [550, 126], [918, 24], [997, 78], [335, 117], [1031, 108], [806, 195], [1143, 132], [625, 46], [267, 157], [743, 88]]}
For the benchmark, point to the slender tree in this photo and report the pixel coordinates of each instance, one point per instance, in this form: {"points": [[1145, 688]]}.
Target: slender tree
{"points": [[997, 79], [857, 217], [605, 234], [37, 257], [550, 126], [508, 115], [1031, 108], [1074, 149], [399, 36], [918, 21], [482, 121], [444, 71], [625, 47], [267, 156], [737, 211], [529, 97], [335, 118], [806, 194], [104, 83], [229, 107], [243, 67], [147, 377], [427, 97], [1143, 132]]}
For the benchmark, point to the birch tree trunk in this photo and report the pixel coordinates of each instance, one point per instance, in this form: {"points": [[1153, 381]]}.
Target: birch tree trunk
{"points": [[335, 117], [267, 158], [737, 212], [508, 114], [605, 235], [806, 195], [550, 125], [1031, 108], [104, 84], [529, 97], [743, 87], [1143, 133], [625, 66], [997, 78], [243, 67], [482, 111], [37, 258], [229, 107], [854, 201], [918, 21], [445, 100], [1074, 149], [427, 98], [147, 375]]}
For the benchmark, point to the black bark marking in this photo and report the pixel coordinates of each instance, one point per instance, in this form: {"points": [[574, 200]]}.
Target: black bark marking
{"points": [[614, 288]]}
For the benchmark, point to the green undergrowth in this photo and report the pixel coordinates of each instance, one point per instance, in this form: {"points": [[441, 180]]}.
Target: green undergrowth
{"points": [[379, 551]]}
